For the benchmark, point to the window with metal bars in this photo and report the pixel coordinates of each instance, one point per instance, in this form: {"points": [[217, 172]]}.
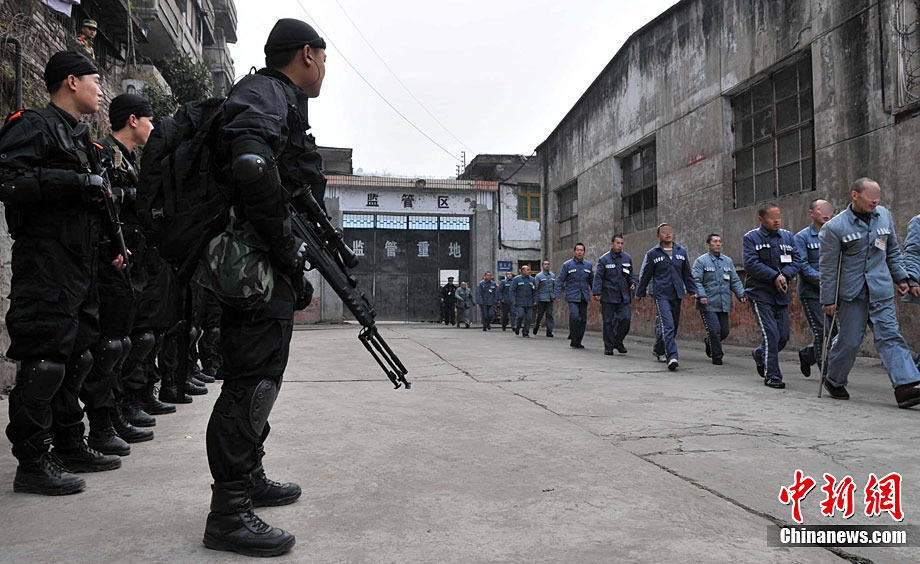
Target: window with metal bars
{"points": [[773, 130], [567, 201], [640, 189], [529, 202]]}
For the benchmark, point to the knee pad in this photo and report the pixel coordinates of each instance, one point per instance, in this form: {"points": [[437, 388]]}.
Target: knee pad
{"points": [[38, 381], [143, 344], [107, 354], [126, 346], [80, 365], [263, 398]]}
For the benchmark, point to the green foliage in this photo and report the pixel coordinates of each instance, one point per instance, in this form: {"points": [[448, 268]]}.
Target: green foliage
{"points": [[164, 103], [188, 79]]}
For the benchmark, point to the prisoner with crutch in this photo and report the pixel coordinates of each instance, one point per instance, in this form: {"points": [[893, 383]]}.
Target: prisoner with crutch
{"points": [[860, 263]]}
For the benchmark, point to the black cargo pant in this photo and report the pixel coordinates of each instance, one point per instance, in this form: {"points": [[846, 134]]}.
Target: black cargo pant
{"points": [[53, 318], [254, 347], [150, 319]]}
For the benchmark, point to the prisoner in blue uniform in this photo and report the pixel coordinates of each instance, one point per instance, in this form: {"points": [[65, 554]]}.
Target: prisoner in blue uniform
{"points": [[861, 244], [912, 264], [546, 281], [614, 283], [576, 278], [771, 261], [667, 268], [523, 296], [504, 298], [486, 296], [809, 292], [716, 280]]}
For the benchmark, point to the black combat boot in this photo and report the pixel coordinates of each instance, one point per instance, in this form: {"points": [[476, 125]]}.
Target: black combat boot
{"points": [[232, 525], [268, 493], [127, 431], [195, 387], [170, 391], [198, 374], [102, 435], [134, 413], [80, 457], [45, 476], [151, 404]]}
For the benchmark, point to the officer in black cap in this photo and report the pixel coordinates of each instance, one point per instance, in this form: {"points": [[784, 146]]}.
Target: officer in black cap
{"points": [[52, 213], [270, 162], [111, 393]]}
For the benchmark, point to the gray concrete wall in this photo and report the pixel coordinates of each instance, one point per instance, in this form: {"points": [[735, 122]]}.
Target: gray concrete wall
{"points": [[672, 81]]}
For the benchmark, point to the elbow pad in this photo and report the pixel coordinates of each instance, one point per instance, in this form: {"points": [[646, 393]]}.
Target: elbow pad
{"points": [[250, 169]]}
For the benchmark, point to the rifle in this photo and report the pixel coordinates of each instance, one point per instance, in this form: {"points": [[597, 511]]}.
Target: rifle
{"points": [[327, 253], [82, 133]]}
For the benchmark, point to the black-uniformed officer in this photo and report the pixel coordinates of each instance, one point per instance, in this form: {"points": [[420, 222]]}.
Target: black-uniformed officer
{"points": [[113, 387], [49, 192], [448, 301], [269, 156]]}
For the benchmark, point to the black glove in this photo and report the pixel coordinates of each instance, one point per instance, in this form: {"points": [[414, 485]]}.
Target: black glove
{"points": [[91, 187], [304, 293]]}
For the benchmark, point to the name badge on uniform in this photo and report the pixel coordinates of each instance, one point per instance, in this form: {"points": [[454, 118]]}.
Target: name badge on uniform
{"points": [[625, 270], [881, 244], [785, 259], [726, 276]]}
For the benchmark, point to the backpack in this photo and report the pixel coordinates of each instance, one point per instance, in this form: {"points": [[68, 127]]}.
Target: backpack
{"points": [[179, 198]]}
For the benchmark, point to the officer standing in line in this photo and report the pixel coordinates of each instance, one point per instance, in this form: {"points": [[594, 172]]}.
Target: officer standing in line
{"points": [[771, 261], [486, 296], [110, 394], [52, 212], [523, 296], [861, 244], [667, 267], [614, 284], [716, 280], [576, 278], [264, 121], [464, 297], [448, 301], [546, 281], [912, 264], [809, 291], [505, 299]]}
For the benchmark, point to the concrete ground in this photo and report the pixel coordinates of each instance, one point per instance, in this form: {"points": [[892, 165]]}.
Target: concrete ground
{"points": [[504, 450]]}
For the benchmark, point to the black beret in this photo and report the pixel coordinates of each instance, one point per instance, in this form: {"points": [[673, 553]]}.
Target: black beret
{"points": [[289, 34], [65, 63], [124, 105]]}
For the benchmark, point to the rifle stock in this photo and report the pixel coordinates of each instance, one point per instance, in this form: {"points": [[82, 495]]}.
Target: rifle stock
{"points": [[328, 254]]}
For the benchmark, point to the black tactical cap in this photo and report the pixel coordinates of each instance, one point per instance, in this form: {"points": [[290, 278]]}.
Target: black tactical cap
{"points": [[289, 34], [65, 63], [124, 105]]}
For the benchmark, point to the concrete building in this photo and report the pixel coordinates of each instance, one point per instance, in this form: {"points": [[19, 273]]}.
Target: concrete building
{"points": [[517, 210], [718, 105]]}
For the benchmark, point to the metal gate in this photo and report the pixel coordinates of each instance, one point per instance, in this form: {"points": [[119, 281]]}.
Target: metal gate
{"points": [[401, 258]]}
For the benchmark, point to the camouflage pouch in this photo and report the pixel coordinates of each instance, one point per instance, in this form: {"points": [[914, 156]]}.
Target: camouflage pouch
{"points": [[236, 268]]}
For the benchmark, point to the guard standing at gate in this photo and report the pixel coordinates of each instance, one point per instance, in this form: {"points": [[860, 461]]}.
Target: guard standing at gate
{"points": [[614, 283], [667, 268], [52, 212], [716, 280], [546, 282], [575, 279], [771, 261], [860, 264], [448, 301], [809, 291], [264, 123], [486, 296]]}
